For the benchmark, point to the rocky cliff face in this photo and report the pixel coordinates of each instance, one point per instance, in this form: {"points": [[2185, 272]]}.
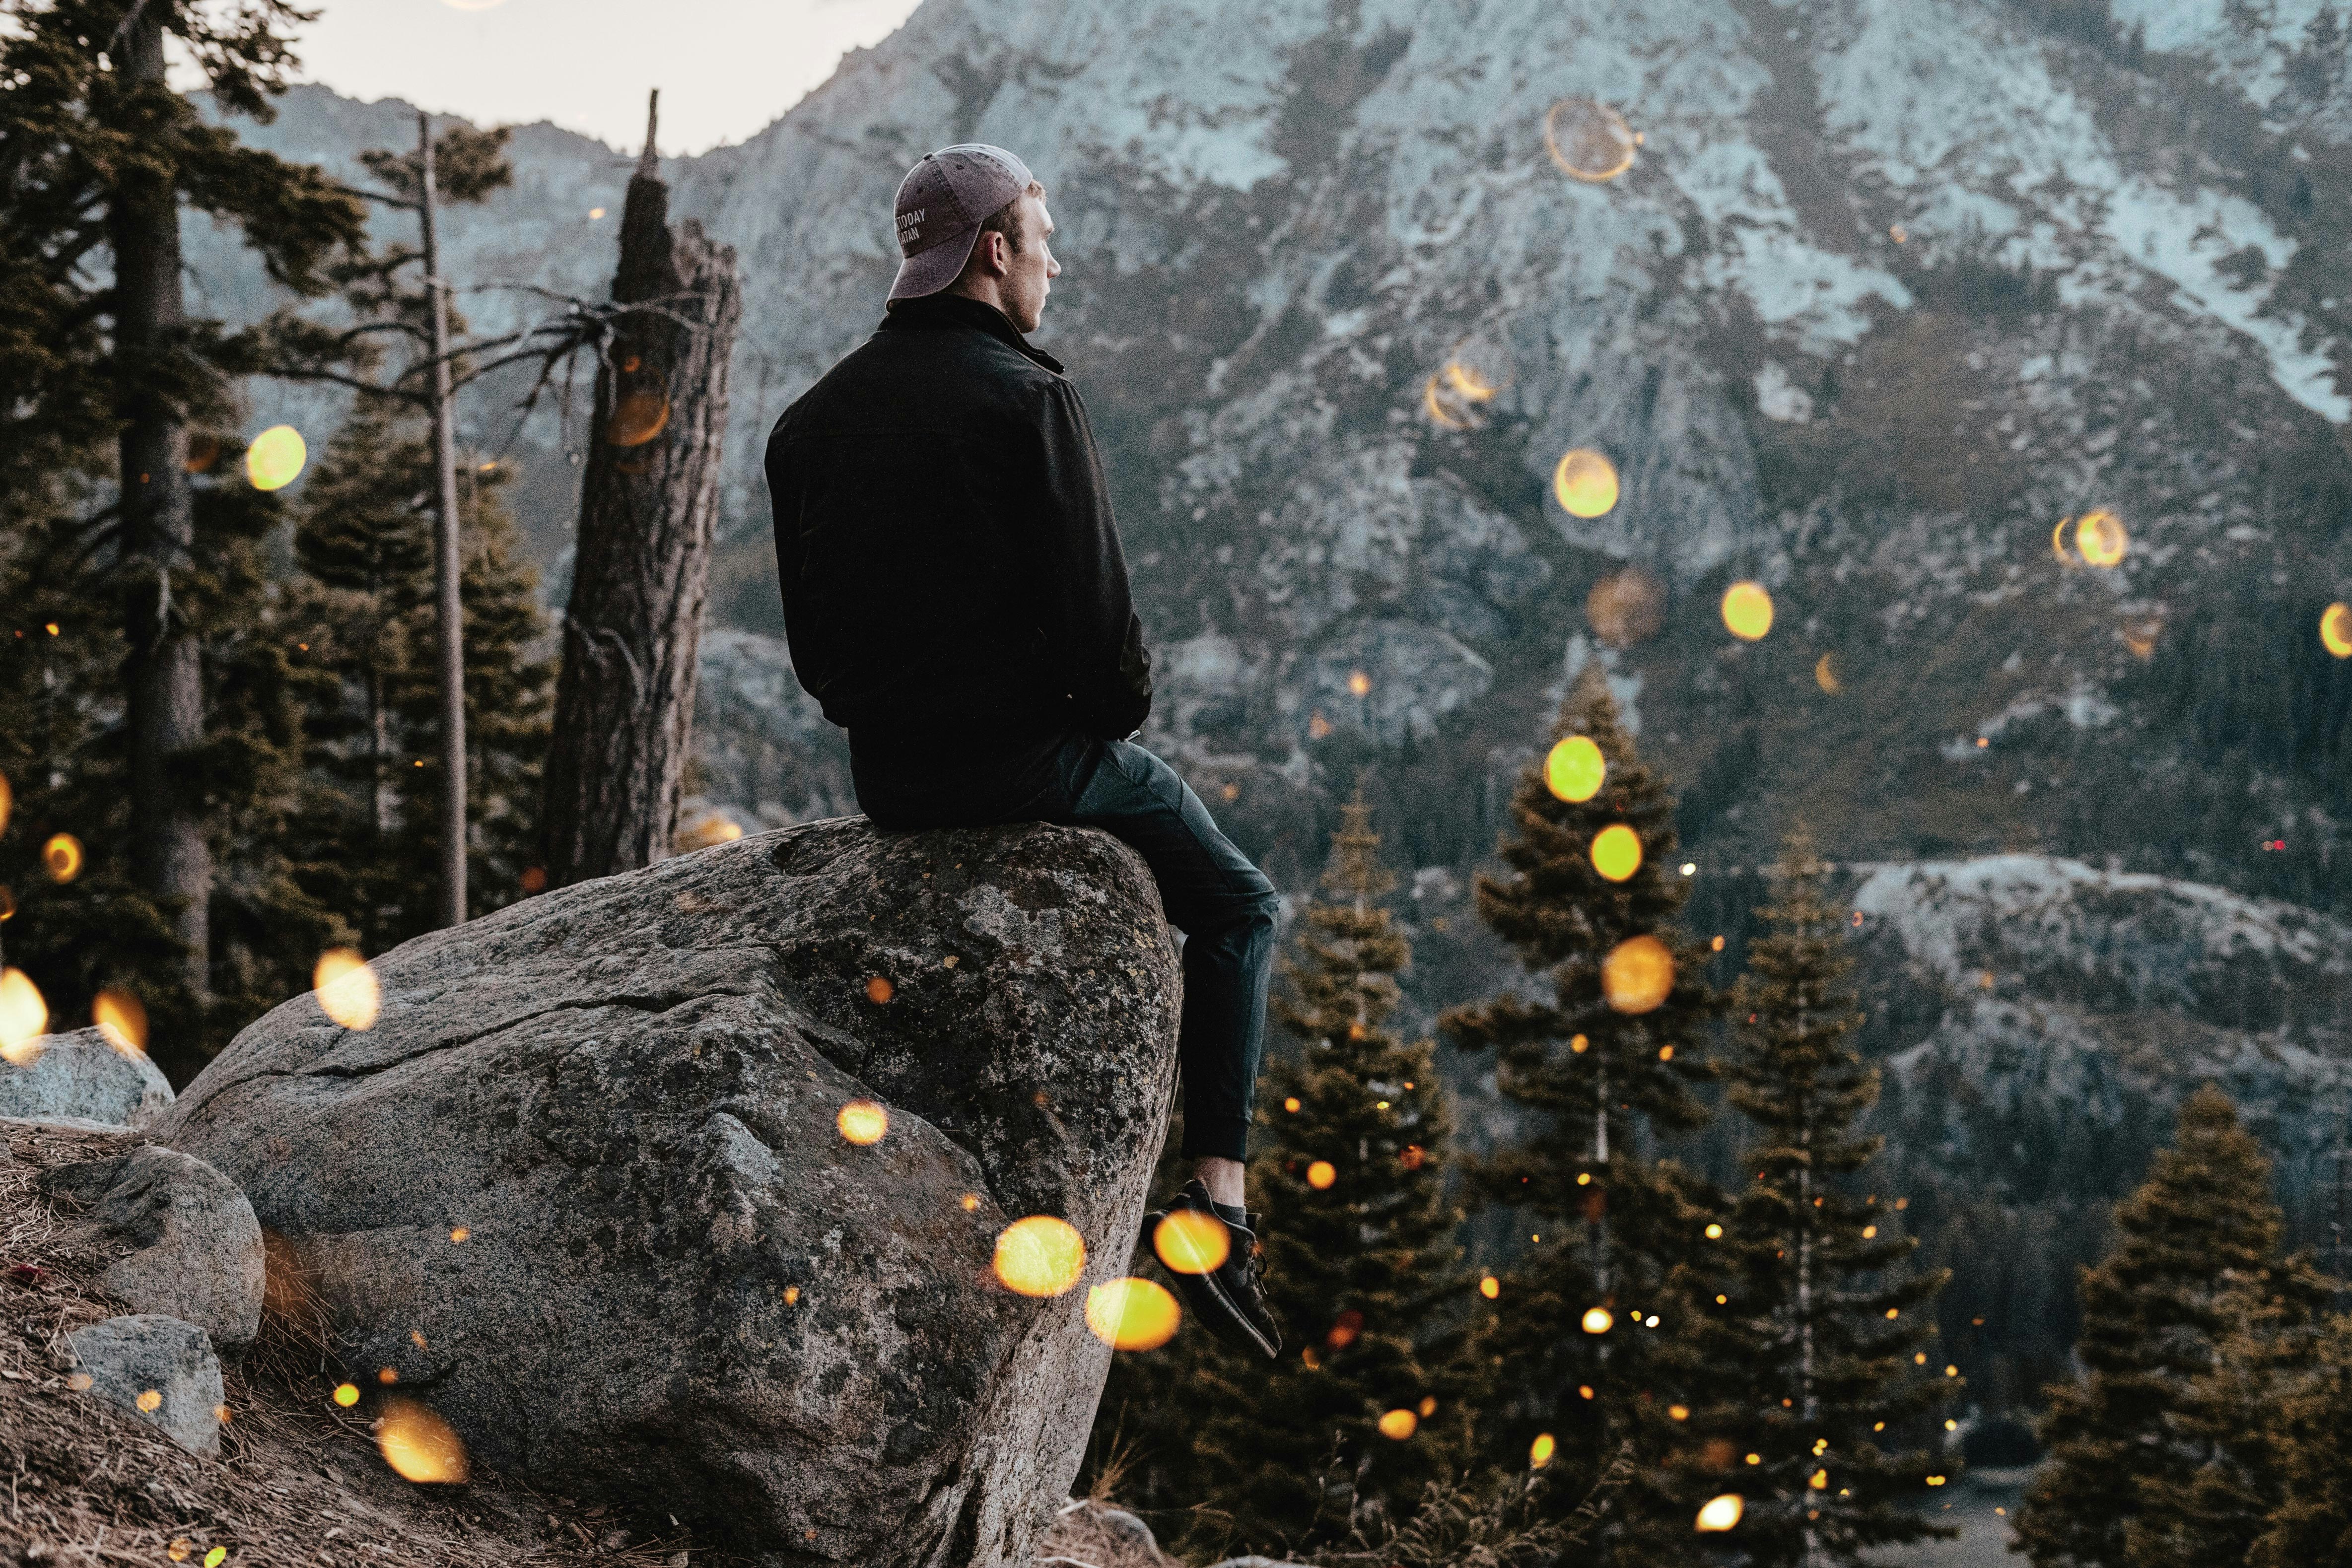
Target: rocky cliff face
{"points": [[684, 1189]]}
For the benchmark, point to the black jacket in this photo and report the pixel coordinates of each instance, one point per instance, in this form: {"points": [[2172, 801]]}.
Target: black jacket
{"points": [[952, 574]]}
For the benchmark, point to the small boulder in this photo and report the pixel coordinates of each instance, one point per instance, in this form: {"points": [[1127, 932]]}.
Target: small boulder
{"points": [[200, 1252], [589, 1190], [83, 1077], [160, 1369]]}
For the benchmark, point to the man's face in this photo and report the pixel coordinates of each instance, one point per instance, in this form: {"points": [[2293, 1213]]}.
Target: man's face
{"points": [[1031, 270]]}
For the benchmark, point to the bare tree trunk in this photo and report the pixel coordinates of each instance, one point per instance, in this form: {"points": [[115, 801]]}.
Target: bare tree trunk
{"points": [[170, 860], [624, 701], [448, 557]]}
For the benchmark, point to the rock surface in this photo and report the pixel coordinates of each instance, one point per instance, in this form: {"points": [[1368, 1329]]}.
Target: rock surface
{"points": [[83, 1076], [158, 1368], [582, 1188], [200, 1250]]}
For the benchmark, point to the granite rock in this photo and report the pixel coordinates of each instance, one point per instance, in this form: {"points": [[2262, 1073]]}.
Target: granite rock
{"points": [[199, 1255], [583, 1187], [83, 1077], [160, 1369]]}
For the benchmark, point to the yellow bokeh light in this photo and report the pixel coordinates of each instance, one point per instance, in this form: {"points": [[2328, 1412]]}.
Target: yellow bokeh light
{"points": [[2100, 537], [637, 419], [1291, 1104], [179, 1548], [1825, 675], [1540, 1451], [1585, 483], [1589, 141], [1321, 1174], [1399, 1425], [1748, 611], [275, 459], [1599, 1319], [419, 1445], [347, 988], [1428, 1406], [1638, 975], [2335, 635], [151, 1401], [1616, 851], [711, 827], [1192, 1242], [347, 1394], [1574, 769], [123, 1018], [1358, 683], [1714, 1233], [61, 857], [1490, 1287], [1677, 1412], [1133, 1315], [23, 1018], [1040, 1256], [1626, 607], [1819, 1480], [1721, 1513], [863, 1122]]}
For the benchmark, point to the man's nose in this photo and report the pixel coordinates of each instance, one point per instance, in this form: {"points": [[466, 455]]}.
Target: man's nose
{"points": [[1053, 268]]}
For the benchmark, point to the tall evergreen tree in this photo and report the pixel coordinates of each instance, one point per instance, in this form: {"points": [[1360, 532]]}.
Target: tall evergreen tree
{"points": [[2311, 1525], [1812, 1343], [65, 743], [1604, 1065], [1373, 1397], [2228, 1426], [2155, 1312], [359, 614], [99, 154]]}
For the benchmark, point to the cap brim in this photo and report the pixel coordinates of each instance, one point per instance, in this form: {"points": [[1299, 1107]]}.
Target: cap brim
{"points": [[929, 271]]}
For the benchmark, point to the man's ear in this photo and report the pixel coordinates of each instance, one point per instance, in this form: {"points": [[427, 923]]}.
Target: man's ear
{"points": [[990, 253]]}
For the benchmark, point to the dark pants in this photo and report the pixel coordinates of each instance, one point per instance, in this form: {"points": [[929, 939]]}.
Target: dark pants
{"points": [[1222, 904]]}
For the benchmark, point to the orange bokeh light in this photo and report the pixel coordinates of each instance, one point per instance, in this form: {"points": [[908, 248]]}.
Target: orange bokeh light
{"points": [[1040, 1256], [1638, 975], [347, 988], [1133, 1315], [863, 1122], [1191, 1242]]}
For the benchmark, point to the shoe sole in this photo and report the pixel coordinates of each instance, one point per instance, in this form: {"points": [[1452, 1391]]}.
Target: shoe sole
{"points": [[1229, 1312]]}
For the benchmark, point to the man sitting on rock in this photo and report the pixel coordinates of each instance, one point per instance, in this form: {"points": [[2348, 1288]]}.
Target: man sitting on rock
{"points": [[956, 598]]}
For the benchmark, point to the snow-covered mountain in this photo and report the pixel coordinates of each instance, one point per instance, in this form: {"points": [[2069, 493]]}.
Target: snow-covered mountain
{"points": [[1889, 296]]}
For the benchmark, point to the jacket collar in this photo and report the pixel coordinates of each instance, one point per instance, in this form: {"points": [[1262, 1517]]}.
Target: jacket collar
{"points": [[933, 311]]}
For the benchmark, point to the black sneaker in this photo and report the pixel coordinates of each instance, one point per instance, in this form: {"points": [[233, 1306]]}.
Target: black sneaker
{"points": [[1229, 1300]]}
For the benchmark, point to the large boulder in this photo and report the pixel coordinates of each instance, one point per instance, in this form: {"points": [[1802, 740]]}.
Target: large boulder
{"points": [[82, 1077], [584, 1186]]}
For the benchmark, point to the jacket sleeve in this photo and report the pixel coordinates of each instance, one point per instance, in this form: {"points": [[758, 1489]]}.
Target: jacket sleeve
{"points": [[1096, 637]]}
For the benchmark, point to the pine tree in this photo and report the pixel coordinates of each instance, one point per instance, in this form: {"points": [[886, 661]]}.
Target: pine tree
{"points": [[64, 747], [2228, 1426], [2311, 1525], [1580, 1323], [1372, 1398], [360, 615], [99, 154], [1809, 1343], [2156, 1310]]}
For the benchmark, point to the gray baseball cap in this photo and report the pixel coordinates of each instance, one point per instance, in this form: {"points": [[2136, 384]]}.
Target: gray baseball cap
{"points": [[942, 202]]}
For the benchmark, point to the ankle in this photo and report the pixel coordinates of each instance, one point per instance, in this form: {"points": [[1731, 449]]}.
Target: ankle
{"points": [[1222, 1177]]}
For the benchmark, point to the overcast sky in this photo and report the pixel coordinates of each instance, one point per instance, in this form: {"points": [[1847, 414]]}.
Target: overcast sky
{"points": [[726, 68]]}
